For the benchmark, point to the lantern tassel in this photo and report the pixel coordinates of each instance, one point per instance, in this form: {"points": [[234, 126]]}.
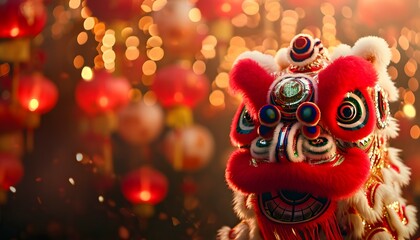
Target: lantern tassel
{"points": [[15, 84], [29, 140], [178, 154], [107, 151]]}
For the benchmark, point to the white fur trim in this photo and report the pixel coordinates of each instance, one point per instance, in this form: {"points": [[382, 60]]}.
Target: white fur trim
{"points": [[281, 58], [242, 231], [341, 51], [382, 236], [374, 49], [223, 233], [403, 177], [357, 226], [383, 196], [388, 85], [391, 130], [245, 230], [242, 206], [403, 231], [411, 214], [255, 230], [264, 60]]}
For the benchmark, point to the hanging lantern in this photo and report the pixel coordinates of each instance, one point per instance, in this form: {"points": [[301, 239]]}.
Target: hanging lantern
{"points": [[22, 18], [111, 10], [11, 170], [102, 93], [215, 9], [181, 36], [175, 85], [144, 186], [139, 124], [11, 119], [36, 93], [189, 148]]}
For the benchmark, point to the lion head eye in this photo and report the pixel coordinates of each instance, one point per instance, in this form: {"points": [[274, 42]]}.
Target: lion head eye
{"points": [[245, 123], [352, 112]]}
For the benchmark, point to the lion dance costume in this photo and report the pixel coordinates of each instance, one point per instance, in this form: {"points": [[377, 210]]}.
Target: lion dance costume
{"points": [[314, 160]]}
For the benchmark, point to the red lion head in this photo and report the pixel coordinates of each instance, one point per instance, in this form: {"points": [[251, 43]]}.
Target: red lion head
{"points": [[309, 131]]}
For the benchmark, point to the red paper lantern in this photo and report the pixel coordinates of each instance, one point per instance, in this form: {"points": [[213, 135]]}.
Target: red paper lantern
{"points": [[139, 124], [21, 18], [36, 93], [11, 170], [175, 85], [111, 10], [189, 148], [144, 185], [102, 93], [180, 35], [215, 9]]}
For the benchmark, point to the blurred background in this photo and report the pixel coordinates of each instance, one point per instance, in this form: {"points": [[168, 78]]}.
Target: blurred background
{"points": [[115, 114]]}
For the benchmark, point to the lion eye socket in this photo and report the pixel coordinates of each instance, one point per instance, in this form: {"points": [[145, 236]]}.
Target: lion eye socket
{"points": [[352, 112], [245, 124]]}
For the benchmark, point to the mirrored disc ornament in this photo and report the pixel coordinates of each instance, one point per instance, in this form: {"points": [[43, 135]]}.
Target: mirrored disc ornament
{"points": [[382, 111], [289, 91]]}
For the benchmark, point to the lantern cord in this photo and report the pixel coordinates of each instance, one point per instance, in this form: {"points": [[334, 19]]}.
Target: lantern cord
{"points": [[178, 155], [15, 83], [29, 140], [107, 151]]}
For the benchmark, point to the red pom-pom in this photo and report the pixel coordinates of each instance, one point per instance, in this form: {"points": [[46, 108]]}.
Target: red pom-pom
{"points": [[311, 132], [308, 114]]}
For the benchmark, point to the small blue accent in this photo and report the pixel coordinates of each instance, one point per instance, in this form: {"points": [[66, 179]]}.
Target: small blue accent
{"points": [[311, 130]]}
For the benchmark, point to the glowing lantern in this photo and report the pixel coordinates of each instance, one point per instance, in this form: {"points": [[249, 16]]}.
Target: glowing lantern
{"points": [[189, 148], [144, 186], [215, 9], [181, 36], [111, 10], [11, 170], [36, 93], [175, 85], [21, 18], [102, 93], [139, 124]]}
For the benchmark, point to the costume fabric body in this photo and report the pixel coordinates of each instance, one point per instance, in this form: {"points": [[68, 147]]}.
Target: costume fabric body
{"points": [[313, 159]]}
